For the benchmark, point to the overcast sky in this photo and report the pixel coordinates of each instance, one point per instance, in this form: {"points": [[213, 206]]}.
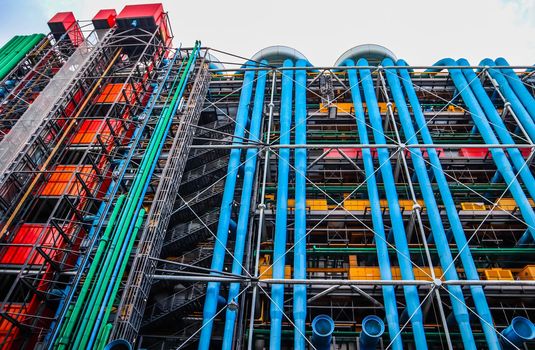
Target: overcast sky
{"points": [[419, 31]]}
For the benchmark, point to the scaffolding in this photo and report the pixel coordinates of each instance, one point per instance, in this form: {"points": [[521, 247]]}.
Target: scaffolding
{"points": [[258, 200]]}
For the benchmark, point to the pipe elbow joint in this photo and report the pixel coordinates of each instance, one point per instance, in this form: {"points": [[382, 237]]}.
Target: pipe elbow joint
{"points": [[519, 331], [322, 330], [372, 330], [119, 344]]}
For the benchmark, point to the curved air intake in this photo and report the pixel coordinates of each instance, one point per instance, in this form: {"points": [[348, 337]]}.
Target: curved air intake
{"points": [[373, 53], [215, 63], [276, 55]]}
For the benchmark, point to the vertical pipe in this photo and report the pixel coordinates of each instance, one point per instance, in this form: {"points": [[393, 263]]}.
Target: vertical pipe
{"points": [[218, 259], [499, 127], [457, 230], [100, 332], [262, 208], [245, 204], [279, 251], [518, 86], [498, 154], [300, 263], [411, 292], [86, 287], [383, 259], [437, 228]]}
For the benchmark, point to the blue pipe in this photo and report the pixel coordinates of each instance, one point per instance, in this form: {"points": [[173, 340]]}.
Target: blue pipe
{"points": [[279, 249], [322, 330], [525, 240], [499, 127], [518, 86], [519, 331], [511, 97], [245, 206], [118, 344], [437, 228], [411, 292], [212, 290], [300, 262], [498, 155], [389, 295], [372, 330]]}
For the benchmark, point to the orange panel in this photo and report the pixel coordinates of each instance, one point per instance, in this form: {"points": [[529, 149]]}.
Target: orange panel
{"points": [[27, 235], [88, 129], [15, 311], [111, 91], [61, 179]]}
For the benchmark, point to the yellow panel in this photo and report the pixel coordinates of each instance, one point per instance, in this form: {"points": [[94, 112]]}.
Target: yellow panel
{"points": [[473, 206], [498, 274], [527, 273], [343, 107]]}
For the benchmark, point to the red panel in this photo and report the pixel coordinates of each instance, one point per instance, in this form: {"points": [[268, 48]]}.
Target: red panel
{"points": [[63, 22], [334, 154], [474, 152], [484, 152], [28, 234], [104, 19], [140, 11], [440, 152], [65, 18]]}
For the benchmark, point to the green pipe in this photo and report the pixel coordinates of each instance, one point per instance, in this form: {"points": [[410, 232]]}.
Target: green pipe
{"points": [[63, 340], [129, 211], [8, 47], [106, 334], [126, 215], [7, 65], [12, 45], [102, 336]]}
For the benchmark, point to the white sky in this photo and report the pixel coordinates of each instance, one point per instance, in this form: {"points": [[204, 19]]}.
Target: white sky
{"points": [[419, 31]]}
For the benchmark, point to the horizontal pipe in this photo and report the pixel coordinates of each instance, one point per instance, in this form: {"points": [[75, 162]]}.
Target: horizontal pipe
{"points": [[341, 68], [359, 145], [340, 282]]}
